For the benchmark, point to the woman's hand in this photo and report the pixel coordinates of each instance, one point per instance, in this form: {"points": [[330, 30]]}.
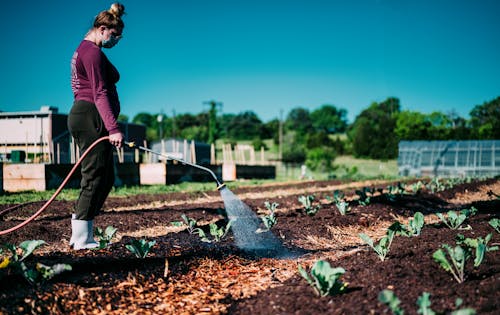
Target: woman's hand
{"points": [[116, 139]]}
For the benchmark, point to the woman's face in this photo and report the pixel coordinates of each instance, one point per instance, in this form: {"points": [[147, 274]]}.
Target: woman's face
{"points": [[110, 36]]}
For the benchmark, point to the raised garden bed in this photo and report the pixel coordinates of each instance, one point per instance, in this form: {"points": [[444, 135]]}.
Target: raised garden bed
{"points": [[182, 274]]}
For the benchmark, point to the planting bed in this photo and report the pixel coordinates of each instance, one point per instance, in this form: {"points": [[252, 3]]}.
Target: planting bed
{"points": [[183, 275]]}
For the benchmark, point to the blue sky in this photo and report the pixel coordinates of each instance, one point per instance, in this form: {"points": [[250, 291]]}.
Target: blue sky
{"points": [[264, 56]]}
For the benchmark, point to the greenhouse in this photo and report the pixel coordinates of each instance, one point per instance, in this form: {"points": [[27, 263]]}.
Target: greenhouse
{"points": [[449, 158]]}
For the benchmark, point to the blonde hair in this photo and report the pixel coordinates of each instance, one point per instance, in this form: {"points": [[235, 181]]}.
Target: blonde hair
{"points": [[111, 18]]}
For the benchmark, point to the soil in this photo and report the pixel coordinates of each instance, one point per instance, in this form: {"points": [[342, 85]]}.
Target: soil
{"points": [[183, 275]]}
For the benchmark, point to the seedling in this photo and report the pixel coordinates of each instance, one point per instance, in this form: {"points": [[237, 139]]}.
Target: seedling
{"points": [[479, 245], [390, 299], [140, 248], [190, 222], [495, 223], [455, 219], [324, 279], [417, 187], [458, 257], [383, 246], [365, 195], [217, 233], [104, 237], [414, 227], [307, 203], [18, 255], [423, 302], [340, 202], [269, 220]]}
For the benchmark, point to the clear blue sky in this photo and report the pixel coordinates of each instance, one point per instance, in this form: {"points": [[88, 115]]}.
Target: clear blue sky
{"points": [[261, 55]]}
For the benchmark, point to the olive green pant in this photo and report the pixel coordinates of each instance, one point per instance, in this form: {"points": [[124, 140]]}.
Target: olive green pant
{"points": [[86, 126]]}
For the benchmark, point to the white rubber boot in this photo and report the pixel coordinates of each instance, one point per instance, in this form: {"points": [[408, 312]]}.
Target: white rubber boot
{"points": [[82, 234]]}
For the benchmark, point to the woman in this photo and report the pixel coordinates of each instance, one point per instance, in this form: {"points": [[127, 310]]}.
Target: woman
{"points": [[94, 115]]}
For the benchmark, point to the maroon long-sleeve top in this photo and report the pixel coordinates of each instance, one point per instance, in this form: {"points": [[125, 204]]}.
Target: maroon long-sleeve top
{"points": [[93, 79]]}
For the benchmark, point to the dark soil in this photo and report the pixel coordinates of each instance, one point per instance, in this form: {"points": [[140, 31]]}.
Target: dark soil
{"points": [[220, 278]]}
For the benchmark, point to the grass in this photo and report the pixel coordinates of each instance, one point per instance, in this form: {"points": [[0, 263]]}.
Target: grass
{"points": [[71, 194]]}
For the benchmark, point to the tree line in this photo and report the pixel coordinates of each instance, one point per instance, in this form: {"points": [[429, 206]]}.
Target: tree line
{"points": [[318, 136]]}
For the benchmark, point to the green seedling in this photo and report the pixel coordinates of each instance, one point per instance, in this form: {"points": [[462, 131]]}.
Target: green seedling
{"points": [[176, 223], [324, 279], [365, 195], [423, 302], [414, 227], [417, 187], [16, 262], [455, 219], [190, 223], [140, 248], [340, 202], [307, 203], [456, 265], [479, 245], [104, 237], [383, 246], [269, 220], [217, 233], [495, 223], [391, 300]]}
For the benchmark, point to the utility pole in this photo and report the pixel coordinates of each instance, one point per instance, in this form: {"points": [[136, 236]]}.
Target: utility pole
{"points": [[212, 120], [280, 137]]}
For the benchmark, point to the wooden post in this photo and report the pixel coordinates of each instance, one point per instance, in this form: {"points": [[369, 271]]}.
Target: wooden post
{"points": [[184, 154], [212, 154], [193, 152], [262, 156], [58, 153]]}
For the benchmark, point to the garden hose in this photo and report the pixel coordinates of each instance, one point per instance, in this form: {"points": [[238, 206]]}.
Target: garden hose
{"points": [[20, 225], [220, 185]]}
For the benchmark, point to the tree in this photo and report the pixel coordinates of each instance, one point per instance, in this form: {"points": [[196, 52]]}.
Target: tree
{"points": [[329, 119], [412, 126], [485, 120], [299, 121], [244, 126], [372, 133]]}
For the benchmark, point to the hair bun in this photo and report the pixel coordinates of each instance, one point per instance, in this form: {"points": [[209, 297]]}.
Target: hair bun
{"points": [[117, 9]]}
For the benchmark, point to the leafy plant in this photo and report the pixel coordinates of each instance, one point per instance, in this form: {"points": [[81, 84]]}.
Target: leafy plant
{"points": [[423, 302], [190, 222], [140, 248], [307, 203], [383, 246], [217, 233], [365, 195], [390, 299], [18, 255], [394, 191], [456, 264], [340, 202], [417, 187], [479, 245], [495, 223], [104, 237], [324, 279], [455, 219], [270, 220], [414, 226]]}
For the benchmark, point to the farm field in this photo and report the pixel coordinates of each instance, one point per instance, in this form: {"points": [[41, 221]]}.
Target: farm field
{"points": [[184, 275]]}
